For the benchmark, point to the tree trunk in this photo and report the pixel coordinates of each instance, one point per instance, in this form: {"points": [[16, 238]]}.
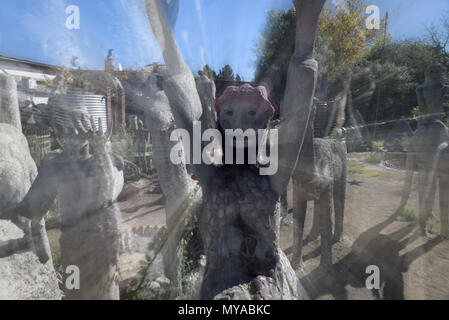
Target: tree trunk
{"points": [[341, 100]]}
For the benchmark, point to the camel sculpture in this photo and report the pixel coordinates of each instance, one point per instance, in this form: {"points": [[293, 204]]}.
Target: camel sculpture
{"points": [[325, 186], [240, 221], [320, 177]]}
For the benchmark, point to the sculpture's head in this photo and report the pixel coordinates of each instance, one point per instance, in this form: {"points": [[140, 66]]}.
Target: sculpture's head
{"points": [[244, 107], [434, 74]]}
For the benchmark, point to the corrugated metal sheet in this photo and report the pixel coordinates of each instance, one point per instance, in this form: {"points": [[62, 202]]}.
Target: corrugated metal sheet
{"points": [[89, 104]]}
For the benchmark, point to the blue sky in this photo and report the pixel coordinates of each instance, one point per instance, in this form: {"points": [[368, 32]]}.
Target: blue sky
{"points": [[216, 32]]}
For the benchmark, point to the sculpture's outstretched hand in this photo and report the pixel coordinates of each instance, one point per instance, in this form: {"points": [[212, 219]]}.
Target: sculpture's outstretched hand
{"points": [[110, 179], [180, 84], [99, 141]]}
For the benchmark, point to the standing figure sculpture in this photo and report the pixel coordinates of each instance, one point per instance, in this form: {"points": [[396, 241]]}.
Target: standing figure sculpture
{"points": [[240, 221], [430, 97], [428, 151], [86, 187], [141, 139]]}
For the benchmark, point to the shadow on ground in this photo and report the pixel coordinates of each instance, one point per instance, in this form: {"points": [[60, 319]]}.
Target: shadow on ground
{"points": [[370, 248]]}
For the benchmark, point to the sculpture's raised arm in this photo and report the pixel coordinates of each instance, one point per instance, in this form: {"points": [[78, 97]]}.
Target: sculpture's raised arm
{"points": [[307, 15], [180, 84], [297, 103], [298, 98]]}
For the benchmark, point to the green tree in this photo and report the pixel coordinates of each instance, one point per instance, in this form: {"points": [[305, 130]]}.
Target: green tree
{"points": [[342, 41], [238, 78], [226, 73], [396, 71], [347, 35], [275, 49], [438, 39], [209, 72]]}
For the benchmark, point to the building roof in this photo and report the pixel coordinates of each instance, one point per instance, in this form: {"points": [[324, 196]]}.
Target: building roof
{"points": [[39, 65]]}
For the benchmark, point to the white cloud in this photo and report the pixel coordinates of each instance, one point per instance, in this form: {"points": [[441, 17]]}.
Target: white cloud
{"points": [[139, 41], [202, 24], [185, 36], [58, 43], [203, 56], [198, 5]]}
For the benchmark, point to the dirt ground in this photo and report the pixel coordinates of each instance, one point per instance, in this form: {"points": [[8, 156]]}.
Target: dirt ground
{"points": [[142, 204], [411, 266]]}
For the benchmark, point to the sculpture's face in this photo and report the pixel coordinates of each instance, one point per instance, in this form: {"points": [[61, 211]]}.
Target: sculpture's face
{"points": [[241, 115], [244, 108]]}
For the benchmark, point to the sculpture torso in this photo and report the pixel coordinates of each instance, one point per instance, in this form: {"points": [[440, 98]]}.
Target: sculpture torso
{"points": [[78, 186], [431, 102], [240, 230], [89, 215]]}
